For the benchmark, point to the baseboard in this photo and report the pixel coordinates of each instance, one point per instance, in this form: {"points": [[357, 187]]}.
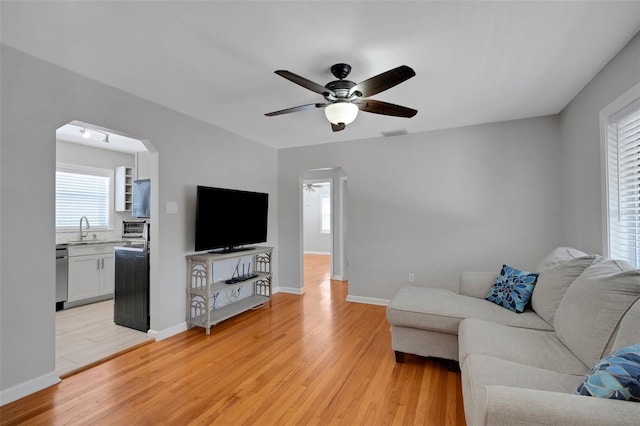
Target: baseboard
{"points": [[82, 302], [368, 300], [167, 332], [324, 253], [289, 290], [338, 277], [27, 388]]}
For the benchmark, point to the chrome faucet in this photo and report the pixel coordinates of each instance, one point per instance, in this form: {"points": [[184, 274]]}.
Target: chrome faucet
{"points": [[80, 234]]}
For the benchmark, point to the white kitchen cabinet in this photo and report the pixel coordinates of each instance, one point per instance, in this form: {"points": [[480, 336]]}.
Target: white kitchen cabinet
{"points": [[144, 165], [107, 278], [91, 273]]}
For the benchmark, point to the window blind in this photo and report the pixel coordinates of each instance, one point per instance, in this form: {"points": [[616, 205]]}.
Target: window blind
{"points": [[624, 186], [82, 193]]}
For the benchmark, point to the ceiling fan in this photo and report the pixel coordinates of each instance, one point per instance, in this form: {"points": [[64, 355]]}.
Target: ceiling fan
{"points": [[311, 187], [345, 98]]}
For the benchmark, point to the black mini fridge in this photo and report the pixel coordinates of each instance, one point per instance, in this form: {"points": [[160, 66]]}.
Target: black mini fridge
{"points": [[131, 295]]}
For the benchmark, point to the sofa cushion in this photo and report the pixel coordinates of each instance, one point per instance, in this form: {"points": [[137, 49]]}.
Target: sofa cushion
{"points": [[512, 289], [481, 371], [628, 332], [553, 283], [593, 306], [536, 348], [558, 256], [616, 376], [442, 310]]}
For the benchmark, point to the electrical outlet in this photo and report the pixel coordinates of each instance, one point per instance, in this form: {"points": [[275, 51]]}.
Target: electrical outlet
{"points": [[412, 277]]}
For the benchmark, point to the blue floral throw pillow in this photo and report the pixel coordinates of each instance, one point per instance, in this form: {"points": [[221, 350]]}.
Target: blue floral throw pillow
{"points": [[616, 376], [512, 289]]}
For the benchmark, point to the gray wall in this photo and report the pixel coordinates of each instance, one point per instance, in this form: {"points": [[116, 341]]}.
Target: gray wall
{"points": [[434, 203], [37, 98], [582, 185]]}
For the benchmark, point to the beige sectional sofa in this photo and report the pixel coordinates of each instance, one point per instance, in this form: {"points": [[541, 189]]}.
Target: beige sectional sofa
{"points": [[523, 368]]}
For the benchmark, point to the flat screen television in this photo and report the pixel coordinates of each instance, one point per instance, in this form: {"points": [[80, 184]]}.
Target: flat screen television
{"points": [[227, 219]]}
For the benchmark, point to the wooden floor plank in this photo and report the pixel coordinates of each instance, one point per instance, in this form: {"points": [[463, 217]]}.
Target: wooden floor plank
{"points": [[309, 359]]}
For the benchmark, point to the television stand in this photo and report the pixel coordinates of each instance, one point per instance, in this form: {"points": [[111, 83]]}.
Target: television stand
{"points": [[207, 295]]}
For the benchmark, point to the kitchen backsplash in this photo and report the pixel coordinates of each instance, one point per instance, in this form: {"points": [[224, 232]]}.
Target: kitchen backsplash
{"points": [[114, 234]]}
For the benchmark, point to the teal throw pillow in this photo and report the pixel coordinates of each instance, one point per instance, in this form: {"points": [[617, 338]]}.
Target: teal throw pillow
{"points": [[616, 376], [512, 289]]}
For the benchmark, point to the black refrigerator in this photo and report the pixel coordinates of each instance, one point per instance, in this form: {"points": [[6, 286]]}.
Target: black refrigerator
{"points": [[131, 295]]}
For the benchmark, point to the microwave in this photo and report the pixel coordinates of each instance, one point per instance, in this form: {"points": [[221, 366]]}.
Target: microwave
{"points": [[135, 229]]}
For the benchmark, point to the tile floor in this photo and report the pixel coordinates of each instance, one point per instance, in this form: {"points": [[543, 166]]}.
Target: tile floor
{"points": [[87, 334]]}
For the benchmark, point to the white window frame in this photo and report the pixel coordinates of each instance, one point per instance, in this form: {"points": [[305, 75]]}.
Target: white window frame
{"points": [[86, 170], [609, 117]]}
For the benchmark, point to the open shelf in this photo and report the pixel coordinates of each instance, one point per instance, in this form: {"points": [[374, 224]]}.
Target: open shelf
{"points": [[204, 291], [219, 286], [231, 310]]}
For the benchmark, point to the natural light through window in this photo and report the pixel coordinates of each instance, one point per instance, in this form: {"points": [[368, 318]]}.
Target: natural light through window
{"points": [[83, 191], [326, 215], [623, 176]]}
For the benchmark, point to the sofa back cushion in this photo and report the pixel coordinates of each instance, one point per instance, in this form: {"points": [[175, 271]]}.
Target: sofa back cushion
{"points": [[553, 283], [593, 306], [629, 330], [557, 256]]}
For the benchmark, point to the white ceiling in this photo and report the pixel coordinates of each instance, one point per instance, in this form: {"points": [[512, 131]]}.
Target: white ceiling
{"points": [[476, 62]]}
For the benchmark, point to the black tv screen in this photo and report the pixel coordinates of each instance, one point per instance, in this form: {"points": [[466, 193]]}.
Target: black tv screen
{"points": [[228, 219]]}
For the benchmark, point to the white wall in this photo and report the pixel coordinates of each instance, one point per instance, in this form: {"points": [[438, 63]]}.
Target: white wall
{"points": [[314, 240], [37, 98], [434, 203], [582, 189], [73, 153]]}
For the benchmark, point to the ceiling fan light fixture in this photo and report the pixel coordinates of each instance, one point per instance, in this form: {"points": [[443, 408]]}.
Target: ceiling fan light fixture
{"points": [[341, 112]]}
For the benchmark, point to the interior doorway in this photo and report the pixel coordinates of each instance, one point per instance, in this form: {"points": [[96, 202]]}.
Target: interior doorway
{"points": [[317, 235], [323, 219], [316, 214], [85, 329]]}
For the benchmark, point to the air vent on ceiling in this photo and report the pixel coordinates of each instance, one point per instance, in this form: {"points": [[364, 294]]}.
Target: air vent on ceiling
{"points": [[394, 133]]}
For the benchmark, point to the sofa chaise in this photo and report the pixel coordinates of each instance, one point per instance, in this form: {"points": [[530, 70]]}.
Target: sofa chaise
{"points": [[528, 368]]}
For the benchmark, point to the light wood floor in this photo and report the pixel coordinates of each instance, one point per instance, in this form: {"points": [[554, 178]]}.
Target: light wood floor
{"points": [[87, 334], [313, 359]]}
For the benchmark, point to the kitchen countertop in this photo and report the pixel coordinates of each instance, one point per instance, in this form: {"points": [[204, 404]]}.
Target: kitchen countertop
{"points": [[89, 242]]}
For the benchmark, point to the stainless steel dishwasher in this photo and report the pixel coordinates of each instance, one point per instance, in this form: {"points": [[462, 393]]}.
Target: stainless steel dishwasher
{"points": [[62, 273]]}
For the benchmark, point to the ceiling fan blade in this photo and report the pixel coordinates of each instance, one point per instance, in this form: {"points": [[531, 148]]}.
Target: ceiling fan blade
{"points": [[385, 108], [382, 82], [338, 127], [306, 83], [295, 109]]}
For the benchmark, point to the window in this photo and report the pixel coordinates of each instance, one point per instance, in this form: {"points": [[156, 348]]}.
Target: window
{"points": [[623, 184], [83, 191], [326, 215]]}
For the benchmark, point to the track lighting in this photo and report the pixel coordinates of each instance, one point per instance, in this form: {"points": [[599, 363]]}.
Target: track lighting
{"points": [[87, 134]]}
